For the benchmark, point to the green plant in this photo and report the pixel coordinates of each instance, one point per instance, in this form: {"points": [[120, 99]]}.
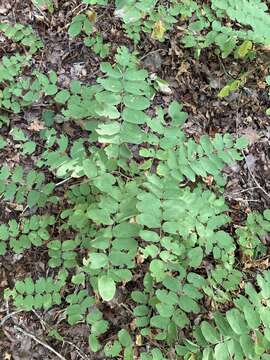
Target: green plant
{"points": [[27, 90], [83, 23], [62, 253], [24, 188], [4, 120], [80, 24], [62, 158], [98, 326], [242, 332], [221, 282], [243, 12], [113, 349], [22, 235], [232, 86], [28, 146], [78, 305], [3, 143], [141, 208], [22, 34], [41, 294], [95, 2], [97, 45], [251, 235], [44, 5], [146, 16], [208, 26], [12, 66]]}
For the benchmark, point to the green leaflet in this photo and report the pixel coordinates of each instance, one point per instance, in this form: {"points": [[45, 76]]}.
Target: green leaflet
{"points": [[106, 286], [236, 326], [23, 34], [43, 293]]}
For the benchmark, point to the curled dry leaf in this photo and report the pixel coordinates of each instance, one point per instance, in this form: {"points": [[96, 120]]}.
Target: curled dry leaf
{"points": [[36, 125], [251, 134]]}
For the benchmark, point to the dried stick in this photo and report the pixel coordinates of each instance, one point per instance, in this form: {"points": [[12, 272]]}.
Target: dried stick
{"points": [[8, 316], [26, 333]]}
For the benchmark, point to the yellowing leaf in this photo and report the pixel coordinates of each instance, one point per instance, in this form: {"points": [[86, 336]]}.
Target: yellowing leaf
{"points": [[234, 85], [243, 49], [138, 340], [231, 87], [92, 16], [158, 30], [225, 91]]}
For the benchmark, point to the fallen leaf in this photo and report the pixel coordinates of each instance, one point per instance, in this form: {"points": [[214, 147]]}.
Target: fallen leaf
{"points": [[266, 47], [36, 125], [140, 259], [208, 180], [4, 7], [244, 49], [251, 134], [138, 340], [163, 86], [92, 16], [183, 68], [256, 264], [250, 161], [133, 325]]}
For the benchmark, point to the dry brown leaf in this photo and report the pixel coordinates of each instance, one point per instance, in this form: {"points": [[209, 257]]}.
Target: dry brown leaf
{"points": [[92, 16], [4, 7], [256, 264], [208, 180], [266, 48], [140, 259], [251, 134], [138, 340], [183, 68], [36, 125]]}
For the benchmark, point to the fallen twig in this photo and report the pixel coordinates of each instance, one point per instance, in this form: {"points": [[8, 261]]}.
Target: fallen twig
{"points": [[8, 316], [79, 351], [26, 333]]}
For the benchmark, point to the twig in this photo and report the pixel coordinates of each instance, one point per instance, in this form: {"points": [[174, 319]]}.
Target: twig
{"points": [[79, 351], [8, 316], [126, 307], [77, 7], [225, 70], [244, 190], [26, 333], [24, 210], [150, 53], [241, 199], [44, 326], [42, 322], [62, 182]]}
